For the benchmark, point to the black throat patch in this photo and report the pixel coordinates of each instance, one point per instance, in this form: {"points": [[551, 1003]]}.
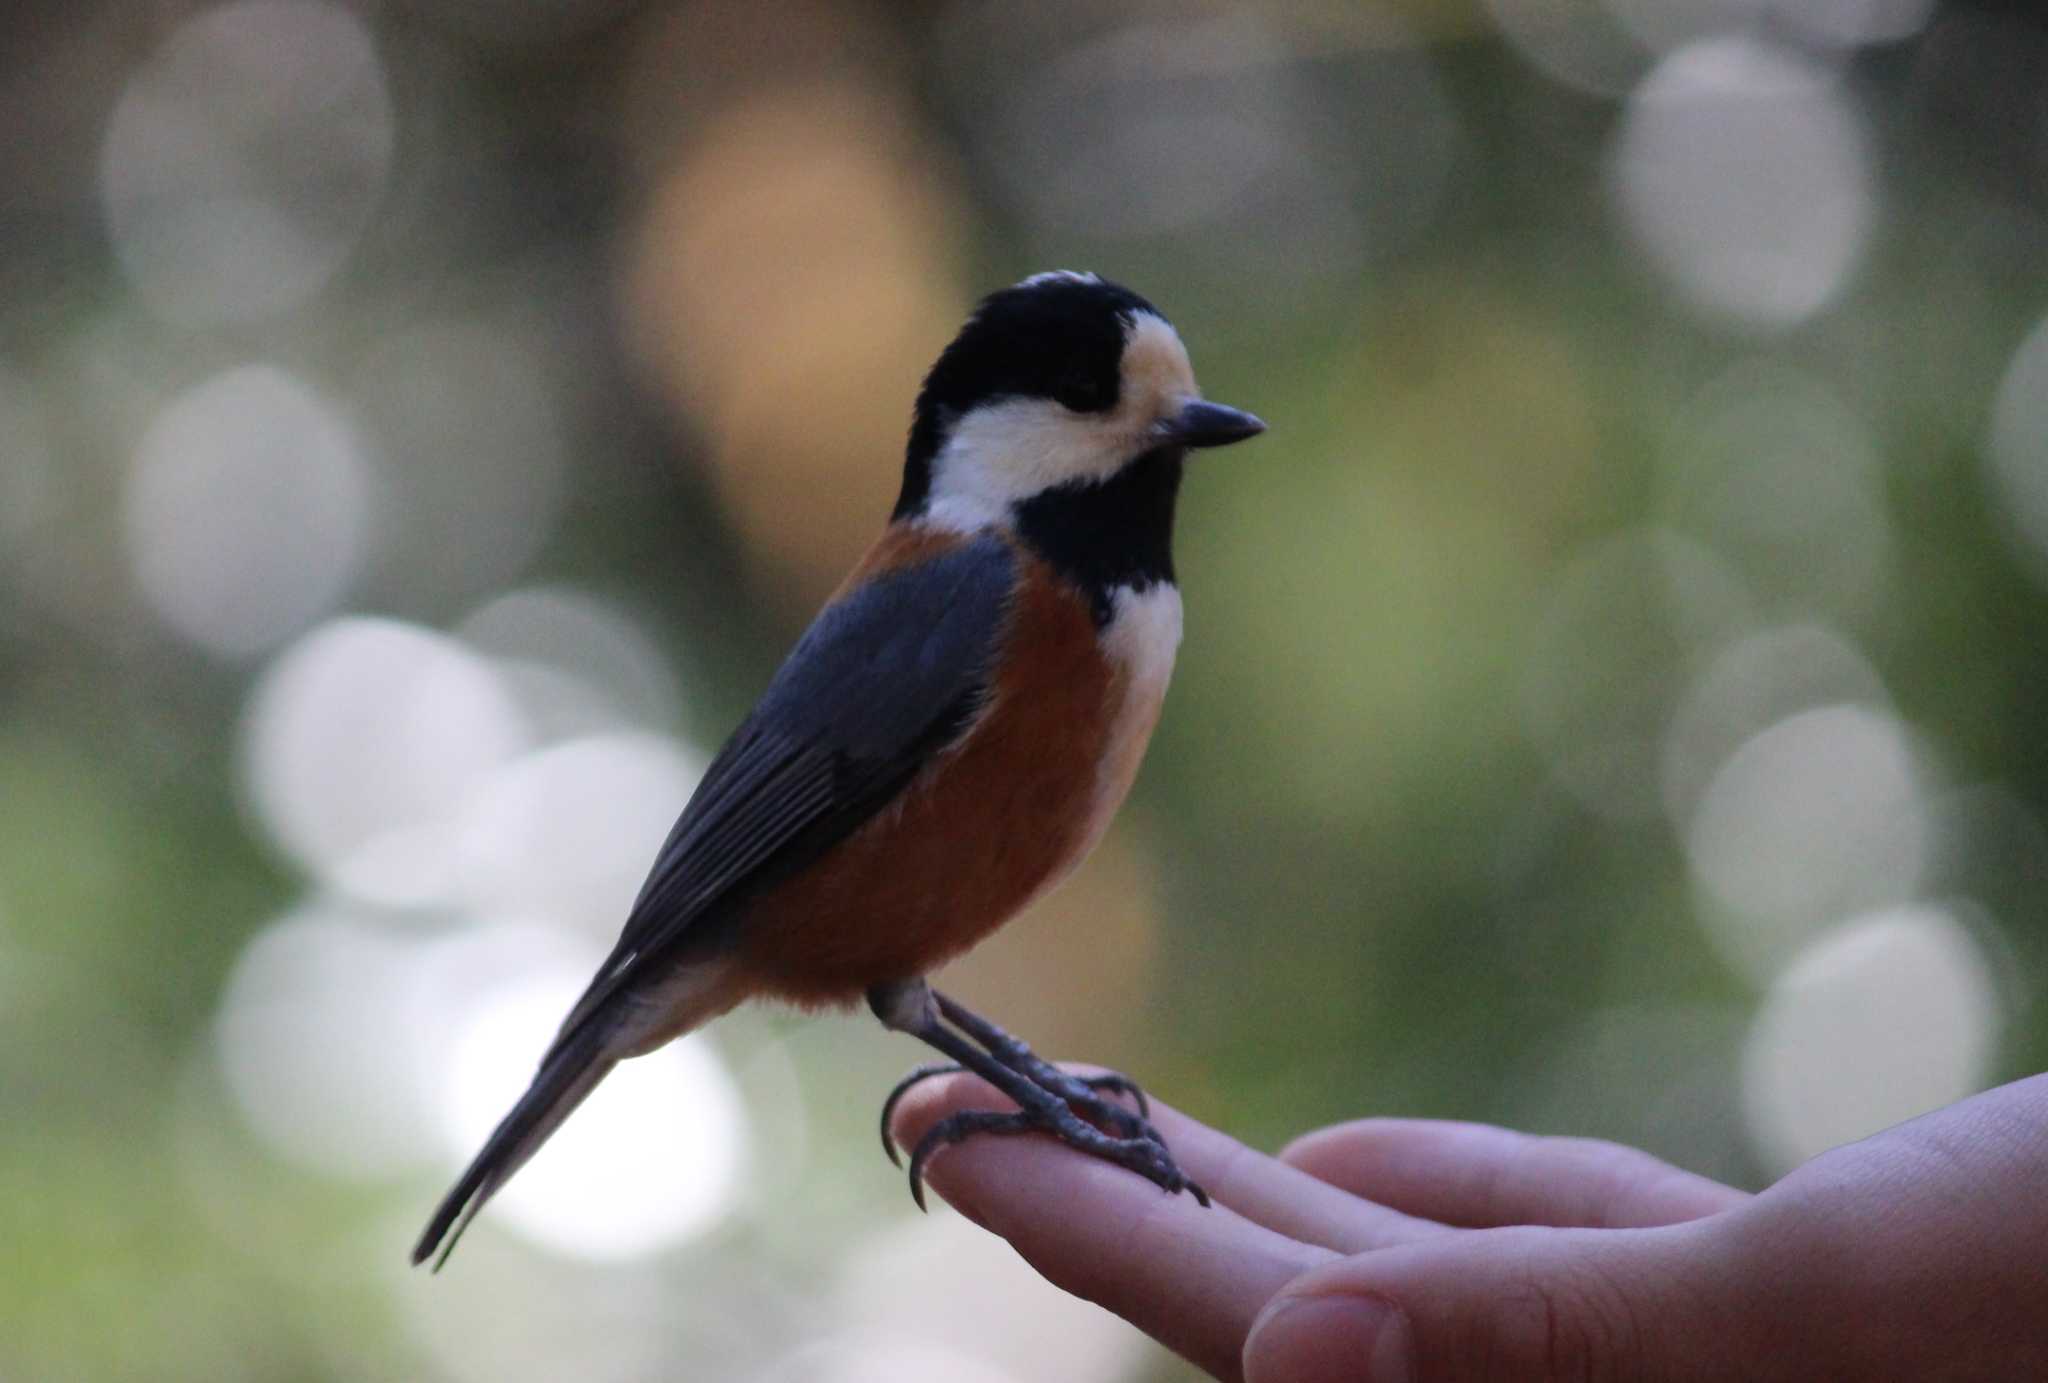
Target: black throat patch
{"points": [[1104, 534]]}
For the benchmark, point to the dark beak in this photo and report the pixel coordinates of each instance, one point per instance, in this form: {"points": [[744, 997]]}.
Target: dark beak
{"points": [[1202, 424]]}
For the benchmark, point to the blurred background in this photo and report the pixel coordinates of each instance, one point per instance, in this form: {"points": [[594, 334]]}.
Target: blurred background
{"points": [[1612, 700]]}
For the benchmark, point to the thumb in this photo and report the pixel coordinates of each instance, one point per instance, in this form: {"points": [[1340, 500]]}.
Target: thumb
{"points": [[1521, 1304]]}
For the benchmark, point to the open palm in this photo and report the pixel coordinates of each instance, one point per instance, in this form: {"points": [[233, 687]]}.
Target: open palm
{"points": [[1433, 1252]]}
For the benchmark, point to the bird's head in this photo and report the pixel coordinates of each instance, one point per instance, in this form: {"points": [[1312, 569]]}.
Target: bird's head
{"points": [[1057, 383]]}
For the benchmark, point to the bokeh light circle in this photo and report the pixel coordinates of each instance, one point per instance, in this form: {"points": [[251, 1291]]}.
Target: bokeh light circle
{"points": [[1883, 1018], [651, 1159], [246, 157], [1820, 815], [1744, 174], [360, 744], [568, 832], [1750, 686], [316, 1039], [929, 1279], [248, 510]]}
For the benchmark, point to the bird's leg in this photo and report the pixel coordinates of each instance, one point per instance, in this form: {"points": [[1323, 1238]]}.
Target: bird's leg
{"points": [[1082, 1093], [1110, 1081], [1048, 1099]]}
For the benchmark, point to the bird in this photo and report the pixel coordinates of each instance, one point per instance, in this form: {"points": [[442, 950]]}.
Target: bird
{"points": [[946, 742]]}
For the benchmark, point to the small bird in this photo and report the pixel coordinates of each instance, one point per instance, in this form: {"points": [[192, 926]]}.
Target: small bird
{"points": [[946, 742]]}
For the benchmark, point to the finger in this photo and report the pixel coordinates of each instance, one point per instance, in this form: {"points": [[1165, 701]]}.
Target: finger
{"points": [[1522, 1305], [1259, 1187], [1480, 1176], [1192, 1278], [1283, 1198]]}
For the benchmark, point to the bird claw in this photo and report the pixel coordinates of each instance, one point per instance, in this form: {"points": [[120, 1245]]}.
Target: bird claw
{"points": [[1077, 1110], [902, 1088], [1147, 1156], [1079, 1092]]}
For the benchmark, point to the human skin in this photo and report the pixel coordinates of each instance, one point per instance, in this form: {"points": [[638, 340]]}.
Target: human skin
{"points": [[1432, 1252]]}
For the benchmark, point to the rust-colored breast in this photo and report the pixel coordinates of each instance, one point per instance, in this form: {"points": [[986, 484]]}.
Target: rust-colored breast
{"points": [[974, 836]]}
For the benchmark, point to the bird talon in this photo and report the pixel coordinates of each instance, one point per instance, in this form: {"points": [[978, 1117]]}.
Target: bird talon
{"points": [[902, 1088], [1146, 1156]]}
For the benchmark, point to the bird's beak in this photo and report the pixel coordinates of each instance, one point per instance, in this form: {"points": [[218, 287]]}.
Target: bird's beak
{"points": [[1203, 424]]}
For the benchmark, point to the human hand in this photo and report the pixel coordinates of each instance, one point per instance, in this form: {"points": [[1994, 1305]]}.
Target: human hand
{"points": [[1429, 1252]]}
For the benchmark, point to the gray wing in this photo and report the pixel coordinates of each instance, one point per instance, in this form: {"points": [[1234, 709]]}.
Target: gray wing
{"points": [[882, 680]]}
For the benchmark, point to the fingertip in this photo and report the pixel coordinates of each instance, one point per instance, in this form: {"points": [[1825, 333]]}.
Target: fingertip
{"points": [[929, 1101], [952, 1171], [1329, 1337], [1325, 1153], [1308, 1147]]}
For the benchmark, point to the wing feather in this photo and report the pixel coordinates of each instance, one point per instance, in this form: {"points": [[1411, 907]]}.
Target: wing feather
{"points": [[884, 678]]}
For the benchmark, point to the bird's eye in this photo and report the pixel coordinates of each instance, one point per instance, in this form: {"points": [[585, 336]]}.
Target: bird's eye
{"points": [[1083, 392]]}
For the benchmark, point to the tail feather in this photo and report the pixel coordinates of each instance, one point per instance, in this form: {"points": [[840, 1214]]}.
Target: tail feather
{"points": [[568, 1074]]}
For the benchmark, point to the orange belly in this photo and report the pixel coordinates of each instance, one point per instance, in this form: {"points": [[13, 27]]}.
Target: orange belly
{"points": [[976, 834]]}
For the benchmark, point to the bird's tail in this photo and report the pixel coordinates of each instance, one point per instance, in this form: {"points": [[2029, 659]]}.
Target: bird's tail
{"points": [[568, 1074]]}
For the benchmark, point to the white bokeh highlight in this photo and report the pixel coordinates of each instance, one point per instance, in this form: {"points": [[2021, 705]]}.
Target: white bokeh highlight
{"points": [[568, 832], [361, 744], [1756, 682], [930, 1278], [1820, 815], [505, 1314], [320, 1046], [246, 157], [1744, 175], [247, 512], [650, 1160], [1885, 1017]]}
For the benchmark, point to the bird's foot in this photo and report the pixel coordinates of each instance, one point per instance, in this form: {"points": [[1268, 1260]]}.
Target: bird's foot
{"points": [[1049, 1113], [1083, 1094], [1073, 1109]]}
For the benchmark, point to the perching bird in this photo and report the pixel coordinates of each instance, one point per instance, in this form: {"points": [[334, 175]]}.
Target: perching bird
{"points": [[947, 741]]}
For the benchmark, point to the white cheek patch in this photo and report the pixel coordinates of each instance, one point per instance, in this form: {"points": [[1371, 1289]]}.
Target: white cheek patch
{"points": [[1009, 451], [1012, 449]]}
